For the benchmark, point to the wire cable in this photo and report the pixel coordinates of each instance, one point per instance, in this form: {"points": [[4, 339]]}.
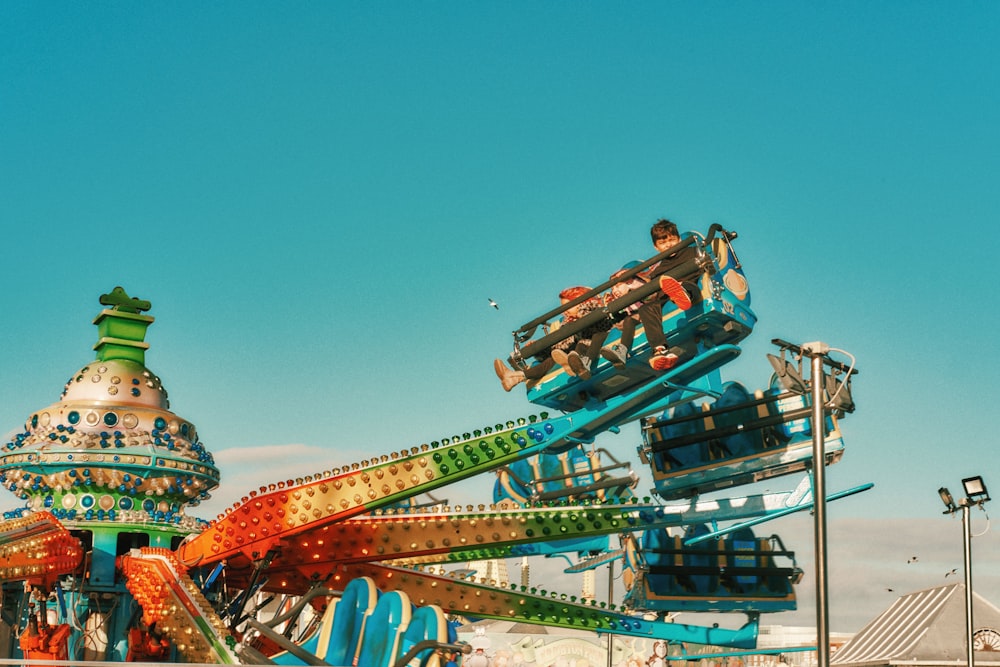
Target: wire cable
{"points": [[987, 528]]}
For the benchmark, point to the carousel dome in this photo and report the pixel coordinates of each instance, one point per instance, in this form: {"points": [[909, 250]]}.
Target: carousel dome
{"points": [[116, 381], [110, 448]]}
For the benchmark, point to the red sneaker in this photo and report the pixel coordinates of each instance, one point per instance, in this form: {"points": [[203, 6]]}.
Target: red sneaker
{"points": [[675, 292], [662, 360]]}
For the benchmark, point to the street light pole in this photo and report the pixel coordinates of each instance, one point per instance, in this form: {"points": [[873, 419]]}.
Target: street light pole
{"points": [[817, 353], [970, 658], [819, 505], [975, 494]]}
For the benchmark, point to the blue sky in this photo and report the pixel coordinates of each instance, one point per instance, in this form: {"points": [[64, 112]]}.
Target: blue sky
{"points": [[319, 198]]}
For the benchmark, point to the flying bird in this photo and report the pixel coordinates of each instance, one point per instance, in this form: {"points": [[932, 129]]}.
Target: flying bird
{"points": [[912, 560], [494, 304], [954, 570]]}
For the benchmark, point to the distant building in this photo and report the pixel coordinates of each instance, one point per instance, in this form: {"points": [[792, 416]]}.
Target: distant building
{"points": [[925, 629]]}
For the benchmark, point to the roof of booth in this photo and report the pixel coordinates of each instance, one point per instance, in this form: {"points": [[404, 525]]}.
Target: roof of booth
{"points": [[925, 627]]}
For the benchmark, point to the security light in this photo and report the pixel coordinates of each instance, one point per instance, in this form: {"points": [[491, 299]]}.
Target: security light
{"points": [[975, 490], [946, 498]]}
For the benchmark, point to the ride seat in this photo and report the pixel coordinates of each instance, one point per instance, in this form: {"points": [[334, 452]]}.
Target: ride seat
{"points": [[508, 486], [349, 620], [704, 557], [740, 550], [788, 402], [730, 413], [428, 623], [317, 643], [660, 549], [682, 421], [339, 635], [384, 630]]}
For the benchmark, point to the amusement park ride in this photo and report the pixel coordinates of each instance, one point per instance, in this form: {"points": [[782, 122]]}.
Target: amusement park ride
{"points": [[103, 562]]}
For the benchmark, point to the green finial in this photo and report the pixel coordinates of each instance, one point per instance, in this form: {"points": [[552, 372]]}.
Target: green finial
{"points": [[123, 302], [122, 328]]}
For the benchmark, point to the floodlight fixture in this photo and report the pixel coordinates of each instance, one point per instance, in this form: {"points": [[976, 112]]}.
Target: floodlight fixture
{"points": [[975, 490], [948, 501]]}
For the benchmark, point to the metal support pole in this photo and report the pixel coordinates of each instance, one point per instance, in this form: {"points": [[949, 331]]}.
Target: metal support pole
{"points": [[819, 513], [975, 495], [611, 597], [967, 553]]}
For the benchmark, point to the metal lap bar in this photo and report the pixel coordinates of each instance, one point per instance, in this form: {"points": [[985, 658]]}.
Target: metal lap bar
{"points": [[679, 261], [437, 646], [723, 431], [573, 475], [603, 483], [690, 570], [729, 408], [287, 644], [722, 552], [582, 473], [531, 326]]}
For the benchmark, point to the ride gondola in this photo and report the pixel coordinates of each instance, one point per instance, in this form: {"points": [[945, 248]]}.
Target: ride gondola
{"points": [[708, 269], [735, 573]]}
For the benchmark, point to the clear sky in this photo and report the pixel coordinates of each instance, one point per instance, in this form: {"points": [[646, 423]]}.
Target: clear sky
{"points": [[319, 198]]}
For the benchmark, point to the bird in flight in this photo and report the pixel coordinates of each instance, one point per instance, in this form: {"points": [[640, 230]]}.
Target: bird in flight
{"points": [[954, 570], [494, 304], [912, 560]]}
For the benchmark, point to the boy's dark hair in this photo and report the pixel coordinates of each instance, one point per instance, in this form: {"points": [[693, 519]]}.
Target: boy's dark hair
{"points": [[662, 229]]}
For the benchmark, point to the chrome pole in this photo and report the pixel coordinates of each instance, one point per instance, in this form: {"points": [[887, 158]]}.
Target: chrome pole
{"points": [[611, 597], [967, 553], [819, 514]]}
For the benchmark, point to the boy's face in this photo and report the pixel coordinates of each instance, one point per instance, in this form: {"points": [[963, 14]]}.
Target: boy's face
{"points": [[666, 242]]}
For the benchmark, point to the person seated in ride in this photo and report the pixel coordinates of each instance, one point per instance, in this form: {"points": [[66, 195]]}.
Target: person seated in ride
{"points": [[617, 353], [577, 353], [556, 354], [577, 356], [649, 313], [578, 361], [664, 235]]}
